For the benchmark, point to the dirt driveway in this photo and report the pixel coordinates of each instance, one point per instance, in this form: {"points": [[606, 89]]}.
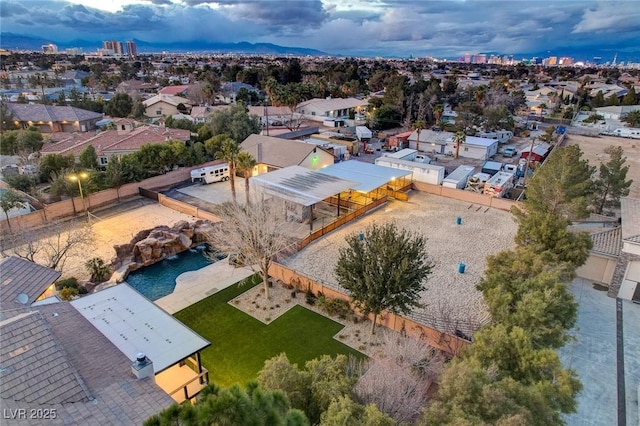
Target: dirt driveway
{"points": [[593, 148]]}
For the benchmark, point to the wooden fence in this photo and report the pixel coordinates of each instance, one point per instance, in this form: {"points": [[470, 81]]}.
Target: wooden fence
{"points": [[339, 222], [436, 338]]}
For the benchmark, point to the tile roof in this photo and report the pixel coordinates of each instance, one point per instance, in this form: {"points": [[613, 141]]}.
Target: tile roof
{"points": [[20, 276], [35, 369], [630, 213], [39, 112], [332, 104], [174, 90], [607, 242], [114, 141], [276, 152], [114, 395]]}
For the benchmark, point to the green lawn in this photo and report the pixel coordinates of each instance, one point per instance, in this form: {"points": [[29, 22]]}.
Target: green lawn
{"points": [[240, 343]]}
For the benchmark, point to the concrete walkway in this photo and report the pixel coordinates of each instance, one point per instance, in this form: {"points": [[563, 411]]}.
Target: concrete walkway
{"points": [[593, 356], [193, 286]]}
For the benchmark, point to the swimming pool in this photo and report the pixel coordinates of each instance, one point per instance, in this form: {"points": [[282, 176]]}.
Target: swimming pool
{"points": [[159, 279]]}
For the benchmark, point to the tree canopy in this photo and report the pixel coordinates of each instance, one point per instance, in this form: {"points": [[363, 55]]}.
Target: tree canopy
{"points": [[234, 121], [386, 269], [252, 405], [562, 185], [611, 183]]}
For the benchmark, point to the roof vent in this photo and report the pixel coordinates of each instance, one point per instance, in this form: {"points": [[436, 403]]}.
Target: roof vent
{"points": [[23, 298]]}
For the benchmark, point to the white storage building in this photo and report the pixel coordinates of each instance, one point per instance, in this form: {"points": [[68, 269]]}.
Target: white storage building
{"points": [[422, 172]]}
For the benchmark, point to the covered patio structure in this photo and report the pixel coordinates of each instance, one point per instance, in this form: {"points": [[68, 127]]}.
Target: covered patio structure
{"points": [[373, 181], [140, 329]]}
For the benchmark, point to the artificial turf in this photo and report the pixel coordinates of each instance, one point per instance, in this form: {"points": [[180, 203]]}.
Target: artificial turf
{"points": [[240, 344]]}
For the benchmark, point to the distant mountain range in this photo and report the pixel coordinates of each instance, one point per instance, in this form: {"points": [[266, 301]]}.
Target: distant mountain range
{"points": [[26, 42]]}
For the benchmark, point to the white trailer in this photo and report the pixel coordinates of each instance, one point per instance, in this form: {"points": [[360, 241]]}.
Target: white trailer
{"points": [[459, 177], [499, 184], [422, 172], [627, 132], [363, 133], [211, 174]]}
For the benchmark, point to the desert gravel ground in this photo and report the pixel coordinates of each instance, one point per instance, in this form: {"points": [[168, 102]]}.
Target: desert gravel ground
{"points": [[451, 300]]}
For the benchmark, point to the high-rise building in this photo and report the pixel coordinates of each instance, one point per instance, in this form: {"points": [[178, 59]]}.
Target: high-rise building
{"points": [[566, 61], [480, 58], [467, 58], [132, 50], [114, 45], [49, 48]]}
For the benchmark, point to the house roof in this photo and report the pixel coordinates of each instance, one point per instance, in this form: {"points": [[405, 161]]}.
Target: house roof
{"points": [[21, 276], [272, 111], [174, 90], [429, 136], [205, 111], [113, 141], [277, 152], [607, 242], [474, 140], [169, 99], [55, 354], [134, 325], [46, 113], [35, 368], [540, 149], [234, 86], [630, 213], [300, 185], [332, 104]]}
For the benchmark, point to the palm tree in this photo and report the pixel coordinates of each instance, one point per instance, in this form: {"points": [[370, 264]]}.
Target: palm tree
{"points": [[8, 200], [419, 126], [632, 118], [246, 163], [542, 107], [437, 111], [458, 139], [229, 152]]}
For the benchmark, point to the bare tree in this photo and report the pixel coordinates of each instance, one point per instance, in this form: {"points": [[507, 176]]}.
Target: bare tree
{"points": [[399, 376], [254, 233], [51, 246]]}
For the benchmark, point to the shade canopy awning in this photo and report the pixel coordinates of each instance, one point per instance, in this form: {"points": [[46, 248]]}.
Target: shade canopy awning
{"points": [[136, 325], [369, 176], [299, 185]]}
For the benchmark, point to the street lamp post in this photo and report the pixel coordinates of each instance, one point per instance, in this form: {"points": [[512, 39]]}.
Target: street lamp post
{"points": [[78, 177]]}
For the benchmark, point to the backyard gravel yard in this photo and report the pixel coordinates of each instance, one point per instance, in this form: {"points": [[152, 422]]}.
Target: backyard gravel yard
{"points": [[451, 300]]}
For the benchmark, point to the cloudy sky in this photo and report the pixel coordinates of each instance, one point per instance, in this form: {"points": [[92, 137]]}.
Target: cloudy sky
{"points": [[350, 27]]}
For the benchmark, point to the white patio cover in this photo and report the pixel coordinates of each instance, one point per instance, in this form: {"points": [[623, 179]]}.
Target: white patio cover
{"points": [[300, 185]]}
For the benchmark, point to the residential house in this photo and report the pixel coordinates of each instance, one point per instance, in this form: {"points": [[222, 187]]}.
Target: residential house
{"points": [[430, 141], [136, 88], [331, 108], [200, 114], [474, 147], [177, 90], [273, 153], [90, 361], [51, 119], [276, 116], [125, 139], [229, 91], [25, 282], [161, 105], [502, 136]]}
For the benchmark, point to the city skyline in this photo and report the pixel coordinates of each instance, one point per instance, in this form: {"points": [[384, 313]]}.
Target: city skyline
{"points": [[356, 28]]}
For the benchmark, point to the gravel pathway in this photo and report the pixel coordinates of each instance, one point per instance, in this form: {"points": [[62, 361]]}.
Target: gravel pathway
{"points": [[451, 300]]}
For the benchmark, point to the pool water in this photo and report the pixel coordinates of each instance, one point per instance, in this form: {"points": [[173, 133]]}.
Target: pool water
{"points": [[159, 279]]}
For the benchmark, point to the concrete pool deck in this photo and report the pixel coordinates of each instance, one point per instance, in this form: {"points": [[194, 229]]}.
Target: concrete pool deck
{"points": [[193, 286]]}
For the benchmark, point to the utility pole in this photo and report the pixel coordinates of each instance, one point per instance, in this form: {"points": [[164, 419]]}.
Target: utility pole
{"points": [[526, 167]]}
